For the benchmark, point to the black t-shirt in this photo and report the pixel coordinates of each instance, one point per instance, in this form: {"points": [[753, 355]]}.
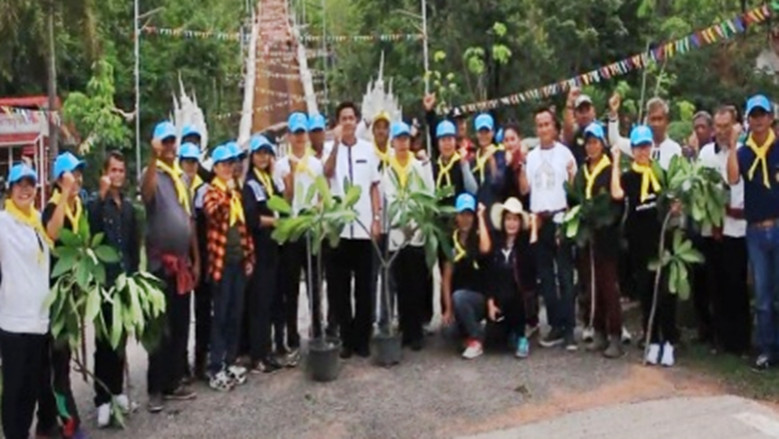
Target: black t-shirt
{"points": [[607, 237], [643, 226], [455, 179], [468, 271]]}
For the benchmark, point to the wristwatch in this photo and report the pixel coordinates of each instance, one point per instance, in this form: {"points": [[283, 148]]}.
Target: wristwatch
{"points": [[377, 217]]}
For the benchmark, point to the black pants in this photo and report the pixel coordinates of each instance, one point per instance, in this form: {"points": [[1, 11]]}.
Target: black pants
{"points": [[726, 280], [24, 380], [702, 294], [555, 271], [295, 257], [664, 328], [411, 274], [57, 372], [166, 367], [109, 365], [202, 324], [327, 262], [353, 260], [259, 300]]}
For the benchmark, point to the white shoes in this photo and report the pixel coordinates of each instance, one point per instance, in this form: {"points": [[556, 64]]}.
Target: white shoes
{"points": [[237, 374], [473, 350], [668, 355], [103, 415], [123, 402], [653, 354], [588, 334], [626, 336]]}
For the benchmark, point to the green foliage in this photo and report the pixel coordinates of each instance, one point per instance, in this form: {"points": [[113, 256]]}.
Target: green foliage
{"points": [[588, 215]]}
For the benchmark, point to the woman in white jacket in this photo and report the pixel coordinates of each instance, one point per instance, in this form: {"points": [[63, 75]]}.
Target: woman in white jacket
{"points": [[407, 173]]}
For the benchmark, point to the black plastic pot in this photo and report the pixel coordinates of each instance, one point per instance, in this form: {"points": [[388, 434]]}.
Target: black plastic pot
{"points": [[387, 349], [323, 361]]}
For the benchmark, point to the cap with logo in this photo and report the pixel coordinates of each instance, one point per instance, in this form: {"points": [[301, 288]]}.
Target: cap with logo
{"points": [[164, 130], [465, 203], [258, 142], [641, 135], [316, 122], [582, 100], [297, 122], [222, 153], [595, 130], [189, 151], [20, 171], [758, 102], [445, 128], [400, 129], [235, 150], [484, 122], [66, 162]]}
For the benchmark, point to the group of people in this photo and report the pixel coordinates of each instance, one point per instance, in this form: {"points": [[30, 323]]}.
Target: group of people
{"points": [[209, 232]]}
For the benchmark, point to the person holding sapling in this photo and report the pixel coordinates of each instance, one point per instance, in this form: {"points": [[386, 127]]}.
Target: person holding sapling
{"points": [[112, 213], [758, 165], [65, 209], [642, 186], [463, 282], [172, 254], [263, 285], [232, 261], [24, 320], [405, 173], [594, 178]]}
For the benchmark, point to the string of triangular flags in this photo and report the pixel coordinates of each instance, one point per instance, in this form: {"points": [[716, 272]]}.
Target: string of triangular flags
{"points": [[293, 99], [16, 115], [236, 36], [719, 32]]}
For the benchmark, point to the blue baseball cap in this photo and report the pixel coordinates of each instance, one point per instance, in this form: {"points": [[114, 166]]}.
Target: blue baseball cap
{"points": [[445, 128], [297, 122], [484, 122], [235, 150], [316, 122], [595, 129], [258, 142], [66, 162], [465, 202], [400, 129], [164, 130], [222, 153], [759, 101], [641, 135], [190, 130], [20, 171], [499, 136], [189, 150]]}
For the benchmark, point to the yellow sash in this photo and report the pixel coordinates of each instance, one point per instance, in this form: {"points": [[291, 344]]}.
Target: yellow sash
{"points": [[761, 154], [266, 181], [73, 216], [590, 178], [459, 250], [401, 171], [648, 178], [32, 219], [384, 157], [175, 173], [481, 161], [196, 182], [236, 209], [444, 170], [302, 166]]}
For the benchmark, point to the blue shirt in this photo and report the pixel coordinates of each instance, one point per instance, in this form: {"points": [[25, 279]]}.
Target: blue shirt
{"points": [[760, 202]]}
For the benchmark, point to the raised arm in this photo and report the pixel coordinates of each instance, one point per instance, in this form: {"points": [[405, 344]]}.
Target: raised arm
{"points": [[485, 242], [734, 173], [617, 193], [615, 138], [55, 223], [568, 122], [149, 181]]}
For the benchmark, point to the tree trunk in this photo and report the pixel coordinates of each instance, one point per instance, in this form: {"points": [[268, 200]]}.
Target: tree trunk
{"points": [[52, 86]]}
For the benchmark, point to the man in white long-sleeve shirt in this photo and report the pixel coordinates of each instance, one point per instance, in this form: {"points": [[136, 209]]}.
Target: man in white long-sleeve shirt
{"points": [[664, 148]]}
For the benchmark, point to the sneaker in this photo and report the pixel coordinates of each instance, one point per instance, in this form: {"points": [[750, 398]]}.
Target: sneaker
{"points": [[614, 350], [237, 374], [103, 415], [597, 343], [182, 393], [123, 402], [268, 365], [588, 334], [156, 403], [626, 336], [523, 348], [473, 350], [293, 357], [428, 329], [570, 343], [553, 338], [221, 382], [668, 359], [653, 354], [762, 363]]}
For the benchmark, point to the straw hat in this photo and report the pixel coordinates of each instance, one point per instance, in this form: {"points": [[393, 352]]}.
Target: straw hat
{"points": [[511, 205]]}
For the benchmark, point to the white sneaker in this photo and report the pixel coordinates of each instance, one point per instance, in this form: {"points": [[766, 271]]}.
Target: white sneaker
{"points": [[473, 350], [653, 355], [588, 334], [103, 415], [221, 382], [626, 336], [237, 374], [668, 355], [123, 402]]}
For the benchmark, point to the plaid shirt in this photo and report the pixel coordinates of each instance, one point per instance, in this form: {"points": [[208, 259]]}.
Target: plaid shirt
{"points": [[216, 206]]}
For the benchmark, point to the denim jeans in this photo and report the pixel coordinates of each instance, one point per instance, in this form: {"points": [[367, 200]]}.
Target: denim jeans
{"points": [[763, 247], [470, 308], [228, 310], [556, 285]]}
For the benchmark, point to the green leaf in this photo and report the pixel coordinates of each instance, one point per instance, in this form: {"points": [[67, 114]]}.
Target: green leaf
{"points": [[572, 229], [97, 239], [62, 266], [692, 256], [93, 305], [116, 323], [280, 205], [352, 196], [83, 274], [107, 254], [70, 239]]}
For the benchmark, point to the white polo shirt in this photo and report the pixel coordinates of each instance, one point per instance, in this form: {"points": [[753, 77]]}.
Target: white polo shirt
{"points": [[662, 153], [303, 179], [359, 165], [547, 172], [24, 259], [732, 227]]}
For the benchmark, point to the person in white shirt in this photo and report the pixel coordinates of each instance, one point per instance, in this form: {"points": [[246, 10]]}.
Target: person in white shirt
{"points": [[24, 320], [543, 176], [663, 148], [406, 173], [725, 248], [353, 163], [298, 171]]}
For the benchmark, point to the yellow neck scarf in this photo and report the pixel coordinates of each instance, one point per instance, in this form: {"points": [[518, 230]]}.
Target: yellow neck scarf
{"points": [[481, 161], [384, 157], [236, 209], [74, 216], [175, 173], [302, 166], [32, 219], [761, 153], [401, 171], [196, 182], [444, 170], [590, 178], [648, 178], [459, 251], [266, 180]]}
